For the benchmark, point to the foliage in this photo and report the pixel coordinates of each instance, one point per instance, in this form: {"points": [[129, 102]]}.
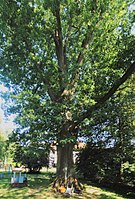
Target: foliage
{"points": [[109, 155], [2, 141], [129, 172], [2, 147], [34, 65], [29, 152], [103, 165], [98, 163]]}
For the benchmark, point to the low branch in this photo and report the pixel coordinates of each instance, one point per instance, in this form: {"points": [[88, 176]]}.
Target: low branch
{"points": [[107, 96]]}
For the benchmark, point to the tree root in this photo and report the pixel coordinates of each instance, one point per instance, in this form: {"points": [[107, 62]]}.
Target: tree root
{"points": [[67, 186]]}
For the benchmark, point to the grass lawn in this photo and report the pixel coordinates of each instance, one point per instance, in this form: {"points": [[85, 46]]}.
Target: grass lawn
{"points": [[39, 188]]}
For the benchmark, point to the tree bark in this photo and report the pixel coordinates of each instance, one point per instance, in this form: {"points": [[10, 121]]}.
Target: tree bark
{"points": [[65, 165]]}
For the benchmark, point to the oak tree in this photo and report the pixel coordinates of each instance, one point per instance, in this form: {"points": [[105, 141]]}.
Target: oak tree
{"points": [[66, 59]]}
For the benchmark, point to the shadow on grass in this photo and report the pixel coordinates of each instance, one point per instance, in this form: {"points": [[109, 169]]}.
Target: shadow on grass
{"points": [[104, 196], [39, 187], [126, 192], [4, 183], [39, 183]]}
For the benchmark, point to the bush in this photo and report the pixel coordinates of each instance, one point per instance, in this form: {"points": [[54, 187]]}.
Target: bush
{"points": [[102, 165]]}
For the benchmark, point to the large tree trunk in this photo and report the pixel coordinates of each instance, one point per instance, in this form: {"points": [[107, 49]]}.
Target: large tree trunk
{"points": [[65, 164], [66, 181]]}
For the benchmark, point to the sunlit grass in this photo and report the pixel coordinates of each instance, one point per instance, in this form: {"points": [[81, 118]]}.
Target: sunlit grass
{"points": [[39, 188]]}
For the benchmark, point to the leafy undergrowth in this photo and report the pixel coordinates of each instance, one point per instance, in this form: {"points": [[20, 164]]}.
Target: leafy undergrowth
{"points": [[39, 188]]}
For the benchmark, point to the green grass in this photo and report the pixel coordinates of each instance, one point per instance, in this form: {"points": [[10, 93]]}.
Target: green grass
{"points": [[39, 188]]}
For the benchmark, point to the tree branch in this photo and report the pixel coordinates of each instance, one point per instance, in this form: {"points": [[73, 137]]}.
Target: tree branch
{"points": [[52, 93], [85, 43], [58, 41], [107, 96]]}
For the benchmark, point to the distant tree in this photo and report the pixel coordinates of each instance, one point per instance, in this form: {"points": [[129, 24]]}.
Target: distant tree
{"points": [[2, 142], [2, 146], [28, 151]]}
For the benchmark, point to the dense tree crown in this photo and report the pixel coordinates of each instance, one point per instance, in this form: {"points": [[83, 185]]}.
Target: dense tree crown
{"points": [[65, 59]]}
